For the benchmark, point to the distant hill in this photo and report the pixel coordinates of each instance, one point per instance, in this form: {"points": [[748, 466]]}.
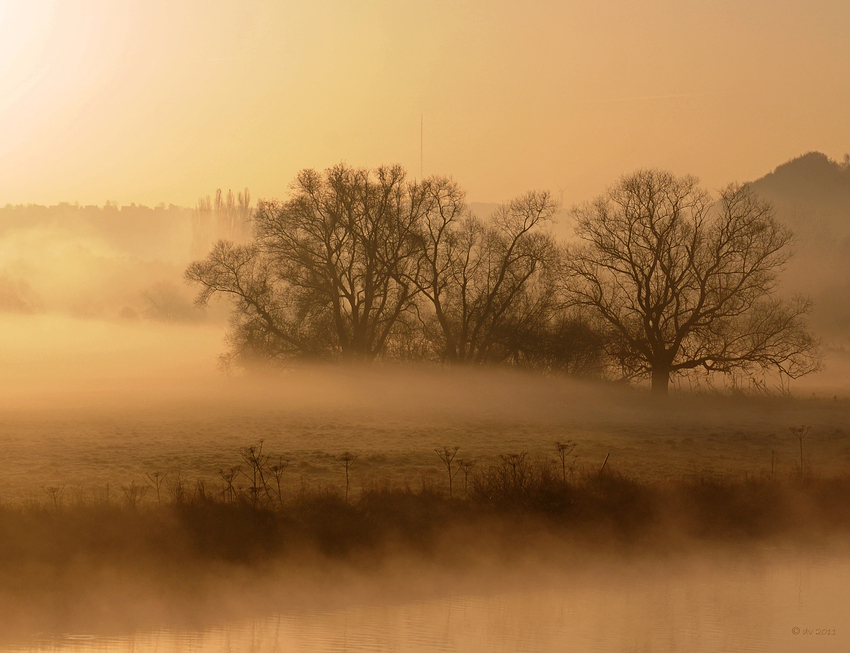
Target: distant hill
{"points": [[811, 194]]}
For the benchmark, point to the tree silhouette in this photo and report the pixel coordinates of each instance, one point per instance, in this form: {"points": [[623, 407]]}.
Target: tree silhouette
{"points": [[485, 282], [363, 264], [330, 270], [227, 217], [683, 282]]}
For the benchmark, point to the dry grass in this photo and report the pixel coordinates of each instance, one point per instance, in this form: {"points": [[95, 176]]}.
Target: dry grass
{"points": [[89, 562], [393, 421], [248, 523]]}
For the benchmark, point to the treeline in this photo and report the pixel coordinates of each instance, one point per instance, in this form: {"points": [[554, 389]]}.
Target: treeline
{"points": [[366, 265], [664, 278], [139, 230], [128, 261], [224, 217], [136, 229], [361, 265]]}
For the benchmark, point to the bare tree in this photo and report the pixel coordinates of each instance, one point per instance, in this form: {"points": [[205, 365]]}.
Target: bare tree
{"points": [[232, 215], [361, 264], [683, 282], [268, 322], [484, 281], [559, 341], [330, 270], [165, 301], [202, 227], [228, 217]]}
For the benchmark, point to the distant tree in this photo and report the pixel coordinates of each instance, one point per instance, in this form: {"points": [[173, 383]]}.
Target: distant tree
{"points": [[682, 282], [166, 302], [232, 215], [202, 228], [227, 217], [483, 282], [17, 296]]}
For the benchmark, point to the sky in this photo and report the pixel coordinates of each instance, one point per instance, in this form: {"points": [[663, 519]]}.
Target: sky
{"points": [[153, 101]]}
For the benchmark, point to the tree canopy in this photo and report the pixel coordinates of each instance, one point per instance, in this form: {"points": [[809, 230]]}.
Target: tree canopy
{"points": [[359, 264], [487, 283], [683, 281], [329, 271], [362, 264]]}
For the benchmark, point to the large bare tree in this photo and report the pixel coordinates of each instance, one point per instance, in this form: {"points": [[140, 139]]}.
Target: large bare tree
{"points": [[329, 272], [346, 265], [484, 281], [684, 282]]}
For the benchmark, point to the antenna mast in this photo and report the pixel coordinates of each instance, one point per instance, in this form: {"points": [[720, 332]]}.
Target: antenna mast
{"points": [[421, 143]]}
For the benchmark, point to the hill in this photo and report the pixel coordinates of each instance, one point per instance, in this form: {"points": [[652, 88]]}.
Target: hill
{"points": [[811, 194]]}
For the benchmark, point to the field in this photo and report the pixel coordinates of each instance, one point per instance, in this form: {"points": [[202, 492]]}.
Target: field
{"points": [[394, 419]]}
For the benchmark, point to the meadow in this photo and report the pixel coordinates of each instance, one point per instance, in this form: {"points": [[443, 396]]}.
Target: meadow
{"points": [[393, 420]]}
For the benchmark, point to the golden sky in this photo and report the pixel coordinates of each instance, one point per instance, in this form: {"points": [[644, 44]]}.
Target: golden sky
{"points": [[165, 100]]}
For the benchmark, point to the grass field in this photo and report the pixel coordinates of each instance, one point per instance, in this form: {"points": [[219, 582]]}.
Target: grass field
{"points": [[393, 420]]}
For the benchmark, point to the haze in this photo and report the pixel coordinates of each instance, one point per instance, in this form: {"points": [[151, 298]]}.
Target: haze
{"points": [[162, 101], [159, 480]]}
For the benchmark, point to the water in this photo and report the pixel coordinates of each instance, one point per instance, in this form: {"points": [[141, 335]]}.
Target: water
{"points": [[706, 604]]}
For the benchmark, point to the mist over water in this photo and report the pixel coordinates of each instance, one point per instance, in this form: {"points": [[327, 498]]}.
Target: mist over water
{"points": [[771, 600]]}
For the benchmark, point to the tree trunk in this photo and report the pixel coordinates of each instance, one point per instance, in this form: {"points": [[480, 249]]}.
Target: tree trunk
{"points": [[660, 380]]}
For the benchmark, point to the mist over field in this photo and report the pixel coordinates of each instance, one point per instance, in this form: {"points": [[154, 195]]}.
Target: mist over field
{"points": [[128, 445], [97, 294], [97, 318], [166, 468]]}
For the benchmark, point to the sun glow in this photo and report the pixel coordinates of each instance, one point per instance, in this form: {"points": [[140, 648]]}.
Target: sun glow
{"points": [[160, 101], [24, 27], [55, 60], [20, 25]]}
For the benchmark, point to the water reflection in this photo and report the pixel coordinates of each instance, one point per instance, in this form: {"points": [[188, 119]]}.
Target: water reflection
{"points": [[705, 605]]}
